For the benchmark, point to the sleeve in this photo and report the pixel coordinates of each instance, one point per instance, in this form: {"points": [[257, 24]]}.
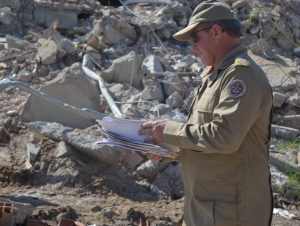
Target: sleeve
{"points": [[233, 117]]}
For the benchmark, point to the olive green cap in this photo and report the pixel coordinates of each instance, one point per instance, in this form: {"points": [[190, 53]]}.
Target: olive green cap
{"points": [[205, 12]]}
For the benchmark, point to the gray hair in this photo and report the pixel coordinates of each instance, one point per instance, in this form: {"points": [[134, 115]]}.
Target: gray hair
{"points": [[232, 27]]}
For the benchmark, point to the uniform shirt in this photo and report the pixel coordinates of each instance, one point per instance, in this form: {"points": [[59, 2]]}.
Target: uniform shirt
{"points": [[224, 146]]}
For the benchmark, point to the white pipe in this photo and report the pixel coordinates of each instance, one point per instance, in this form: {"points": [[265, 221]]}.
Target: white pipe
{"points": [[85, 66]]}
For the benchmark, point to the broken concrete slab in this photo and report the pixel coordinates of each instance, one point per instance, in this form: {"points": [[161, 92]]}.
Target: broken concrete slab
{"points": [[277, 71], [63, 150], [175, 100], [117, 30], [282, 160], [278, 99], [32, 152], [24, 210], [151, 67], [82, 141], [173, 173], [67, 19], [68, 46], [126, 69], [13, 42], [284, 132], [260, 46], [70, 86], [47, 51], [150, 169], [152, 91], [171, 82]]}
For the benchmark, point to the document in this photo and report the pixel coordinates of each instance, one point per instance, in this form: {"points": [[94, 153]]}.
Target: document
{"points": [[124, 133]]}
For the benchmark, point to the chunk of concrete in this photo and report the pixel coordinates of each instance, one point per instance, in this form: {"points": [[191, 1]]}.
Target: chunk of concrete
{"points": [[47, 51], [278, 99], [126, 69], [172, 176], [70, 86], [284, 132], [277, 71], [68, 46], [63, 150], [171, 83], [175, 100], [84, 142], [13, 42], [67, 19], [260, 46], [151, 66], [295, 100], [152, 90], [24, 210], [32, 152], [149, 169], [6, 15]]}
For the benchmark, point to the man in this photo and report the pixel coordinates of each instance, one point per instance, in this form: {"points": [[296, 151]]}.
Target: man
{"points": [[224, 143]]}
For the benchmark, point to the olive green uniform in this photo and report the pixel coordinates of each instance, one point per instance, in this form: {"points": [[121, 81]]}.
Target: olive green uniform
{"points": [[224, 146]]}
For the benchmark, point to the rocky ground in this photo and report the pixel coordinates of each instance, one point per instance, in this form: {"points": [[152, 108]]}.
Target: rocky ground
{"points": [[50, 168]]}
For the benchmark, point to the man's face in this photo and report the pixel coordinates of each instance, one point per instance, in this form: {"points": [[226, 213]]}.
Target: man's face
{"points": [[203, 44]]}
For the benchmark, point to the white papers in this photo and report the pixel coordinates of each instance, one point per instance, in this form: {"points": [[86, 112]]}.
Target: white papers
{"points": [[284, 213], [124, 133]]}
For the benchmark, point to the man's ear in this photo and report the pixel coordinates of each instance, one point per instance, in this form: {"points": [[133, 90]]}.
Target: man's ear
{"points": [[217, 31]]}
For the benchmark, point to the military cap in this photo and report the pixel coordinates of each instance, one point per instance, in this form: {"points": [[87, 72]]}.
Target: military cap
{"points": [[206, 11]]}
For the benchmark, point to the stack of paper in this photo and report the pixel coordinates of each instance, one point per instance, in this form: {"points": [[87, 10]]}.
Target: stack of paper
{"points": [[124, 133]]}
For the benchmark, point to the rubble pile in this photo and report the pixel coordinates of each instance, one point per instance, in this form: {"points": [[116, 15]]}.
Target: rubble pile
{"points": [[47, 139]]}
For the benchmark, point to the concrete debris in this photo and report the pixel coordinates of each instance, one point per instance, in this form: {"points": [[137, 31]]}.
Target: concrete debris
{"points": [[278, 99], [78, 91], [284, 132], [151, 67], [175, 100], [126, 69], [6, 15], [150, 169], [14, 42], [32, 152], [80, 140], [93, 58], [47, 52], [152, 91], [24, 210]]}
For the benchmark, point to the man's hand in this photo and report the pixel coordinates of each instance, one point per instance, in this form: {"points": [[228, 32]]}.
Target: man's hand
{"points": [[155, 129], [154, 158]]}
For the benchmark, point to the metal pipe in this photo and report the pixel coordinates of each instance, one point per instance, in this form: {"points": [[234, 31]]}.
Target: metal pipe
{"points": [[85, 66], [85, 112]]}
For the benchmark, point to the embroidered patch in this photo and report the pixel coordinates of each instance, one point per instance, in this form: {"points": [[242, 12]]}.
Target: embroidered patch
{"points": [[237, 88], [242, 61]]}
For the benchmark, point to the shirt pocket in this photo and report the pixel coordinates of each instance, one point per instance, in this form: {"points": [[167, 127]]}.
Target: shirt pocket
{"points": [[205, 107], [216, 203]]}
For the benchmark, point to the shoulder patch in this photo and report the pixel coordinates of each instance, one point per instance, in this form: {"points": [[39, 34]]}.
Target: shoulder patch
{"points": [[236, 89], [242, 61]]}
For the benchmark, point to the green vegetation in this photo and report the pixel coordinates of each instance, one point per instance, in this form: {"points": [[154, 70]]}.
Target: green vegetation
{"points": [[293, 182], [293, 179], [283, 146]]}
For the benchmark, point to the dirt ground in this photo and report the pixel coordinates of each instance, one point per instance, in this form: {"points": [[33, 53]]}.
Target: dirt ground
{"points": [[89, 191]]}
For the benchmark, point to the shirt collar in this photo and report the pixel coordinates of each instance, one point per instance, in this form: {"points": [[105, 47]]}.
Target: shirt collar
{"points": [[226, 61]]}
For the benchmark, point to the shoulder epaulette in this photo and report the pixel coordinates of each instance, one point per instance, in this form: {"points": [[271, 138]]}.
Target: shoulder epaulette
{"points": [[242, 61]]}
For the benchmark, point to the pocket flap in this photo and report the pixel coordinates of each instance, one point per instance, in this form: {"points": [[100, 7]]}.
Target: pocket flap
{"points": [[206, 103], [215, 190]]}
